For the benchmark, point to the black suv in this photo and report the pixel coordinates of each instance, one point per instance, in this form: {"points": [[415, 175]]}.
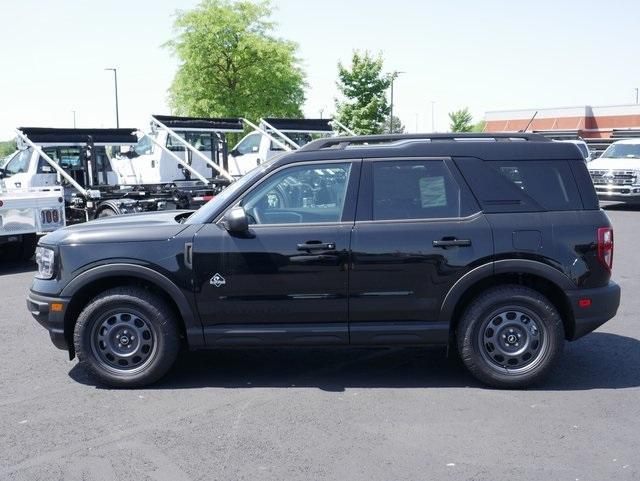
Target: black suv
{"points": [[492, 244]]}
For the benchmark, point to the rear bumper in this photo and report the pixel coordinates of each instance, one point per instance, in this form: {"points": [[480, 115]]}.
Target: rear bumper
{"points": [[604, 305], [53, 321]]}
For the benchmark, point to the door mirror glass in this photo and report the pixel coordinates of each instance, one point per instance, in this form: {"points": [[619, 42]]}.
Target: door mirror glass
{"points": [[236, 220]]}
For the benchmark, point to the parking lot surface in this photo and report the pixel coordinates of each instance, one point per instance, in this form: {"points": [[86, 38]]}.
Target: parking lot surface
{"points": [[351, 414]]}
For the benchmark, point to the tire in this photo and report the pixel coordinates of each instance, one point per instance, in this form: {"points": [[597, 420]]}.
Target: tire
{"points": [[140, 318], [108, 212], [28, 247], [510, 337]]}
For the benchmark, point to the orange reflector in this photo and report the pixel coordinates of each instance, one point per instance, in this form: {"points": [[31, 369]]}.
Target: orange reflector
{"points": [[586, 302], [57, 307]]}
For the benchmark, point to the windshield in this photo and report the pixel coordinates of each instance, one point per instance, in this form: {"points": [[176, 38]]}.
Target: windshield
{"points": [[622, 151], [204, 213]]}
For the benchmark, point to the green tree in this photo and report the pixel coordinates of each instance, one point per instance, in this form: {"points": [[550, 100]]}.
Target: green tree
{"points": [[461, 120], [365, 108], [397, 127], [479, 126], [231, 64], [6, 148]]}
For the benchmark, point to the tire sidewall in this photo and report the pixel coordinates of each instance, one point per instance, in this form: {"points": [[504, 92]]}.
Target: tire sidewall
{"points": [[162, 353], [476, 315]]}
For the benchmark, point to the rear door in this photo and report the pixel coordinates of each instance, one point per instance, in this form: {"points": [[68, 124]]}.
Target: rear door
{"points": [[418, 229]]}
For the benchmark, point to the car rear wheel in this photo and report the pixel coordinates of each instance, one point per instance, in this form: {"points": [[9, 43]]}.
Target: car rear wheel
{"points": [[510, 336], [127, 337]]}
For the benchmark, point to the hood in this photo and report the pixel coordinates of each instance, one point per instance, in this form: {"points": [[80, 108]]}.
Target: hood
{"points": [[612, 163], [142, 227]]}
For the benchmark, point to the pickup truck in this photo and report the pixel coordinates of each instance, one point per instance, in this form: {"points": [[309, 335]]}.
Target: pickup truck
{"points": [[615, 174]]}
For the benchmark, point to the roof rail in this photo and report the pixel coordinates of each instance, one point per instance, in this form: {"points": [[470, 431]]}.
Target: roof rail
{"points": [[372, 140]]}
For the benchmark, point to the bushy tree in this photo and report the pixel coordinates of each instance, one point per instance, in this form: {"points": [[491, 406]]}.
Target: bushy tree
{"points": [[364, 108], [479, 126], [6, 147], [461, 120], [231, 64], [397, 127]]}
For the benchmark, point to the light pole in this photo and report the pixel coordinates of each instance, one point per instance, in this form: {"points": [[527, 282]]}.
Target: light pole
{"points": [[433, 121], [115, 80], [394, 75], [74, 118], [636, 94]]}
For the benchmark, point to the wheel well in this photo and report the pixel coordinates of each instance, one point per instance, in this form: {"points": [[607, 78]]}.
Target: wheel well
{"points": [[545, 287], [92, 289]]}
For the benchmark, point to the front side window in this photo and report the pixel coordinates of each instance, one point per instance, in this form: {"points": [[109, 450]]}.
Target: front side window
{"points": [[144, 146], [414, 190], [203, 141], [19, 164], [250, 144], [299, 195]]}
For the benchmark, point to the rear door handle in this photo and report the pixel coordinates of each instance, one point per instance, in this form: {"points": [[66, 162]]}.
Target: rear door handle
{"points": [[317, 246], [451, 242]]}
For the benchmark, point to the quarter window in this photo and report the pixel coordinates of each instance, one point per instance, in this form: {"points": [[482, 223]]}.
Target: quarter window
{"points": [[303, 194], [414, 190], [549, 183]]}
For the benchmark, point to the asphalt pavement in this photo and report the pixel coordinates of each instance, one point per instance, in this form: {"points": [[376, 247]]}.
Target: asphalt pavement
{"points": [[339, 414]]}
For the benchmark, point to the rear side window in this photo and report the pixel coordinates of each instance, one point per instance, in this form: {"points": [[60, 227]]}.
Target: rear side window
{"points": [[414, 190], [519, 186]]}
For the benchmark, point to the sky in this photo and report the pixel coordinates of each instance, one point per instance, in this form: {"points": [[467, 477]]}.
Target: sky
{"points": [[489, 55]]}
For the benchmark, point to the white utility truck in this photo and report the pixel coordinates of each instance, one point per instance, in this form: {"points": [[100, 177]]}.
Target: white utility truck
{"points": [[24, 215], [274, 136], [179, 150]]}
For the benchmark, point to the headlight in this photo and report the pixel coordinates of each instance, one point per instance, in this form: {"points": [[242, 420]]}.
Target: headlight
{"points": [[45, 258]]}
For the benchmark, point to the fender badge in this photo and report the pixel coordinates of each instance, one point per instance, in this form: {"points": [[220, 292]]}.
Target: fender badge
{"points": [[217, 280]]}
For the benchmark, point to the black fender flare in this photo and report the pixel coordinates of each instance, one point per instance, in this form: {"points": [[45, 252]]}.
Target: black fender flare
{"points": [[504, 266], [193, 326]]}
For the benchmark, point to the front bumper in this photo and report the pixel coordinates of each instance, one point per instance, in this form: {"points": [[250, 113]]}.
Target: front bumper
{"points": [[51, 319], [627, 193], [603, 307]]}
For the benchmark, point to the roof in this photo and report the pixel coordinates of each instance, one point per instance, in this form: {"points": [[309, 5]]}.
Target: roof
{"points": [[507, 146], [301, 125], [202, 123], [46, 135]]}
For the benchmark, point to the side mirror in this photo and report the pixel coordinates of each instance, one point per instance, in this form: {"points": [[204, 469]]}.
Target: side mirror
{"points": [[236, 220], [234, 152]]}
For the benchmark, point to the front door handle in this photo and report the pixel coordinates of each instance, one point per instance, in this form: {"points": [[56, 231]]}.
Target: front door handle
{"points": [[451, 242], [317, 246]]}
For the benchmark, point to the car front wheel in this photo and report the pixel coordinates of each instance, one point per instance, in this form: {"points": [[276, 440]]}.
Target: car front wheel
{"points": [[510, 336], [127, 337]]}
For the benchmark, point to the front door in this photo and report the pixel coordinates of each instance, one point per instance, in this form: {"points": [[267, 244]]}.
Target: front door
{"points": [[285, 281], [417, 232]]}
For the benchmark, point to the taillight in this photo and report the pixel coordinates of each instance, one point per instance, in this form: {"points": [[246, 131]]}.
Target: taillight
{"points": [[605, 246]]}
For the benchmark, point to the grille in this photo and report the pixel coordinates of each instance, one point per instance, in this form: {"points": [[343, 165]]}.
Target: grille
{"points": [[613, 177]]}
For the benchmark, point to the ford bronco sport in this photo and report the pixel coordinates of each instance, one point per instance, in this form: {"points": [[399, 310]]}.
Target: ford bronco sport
{"points": [[493, 244]]}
